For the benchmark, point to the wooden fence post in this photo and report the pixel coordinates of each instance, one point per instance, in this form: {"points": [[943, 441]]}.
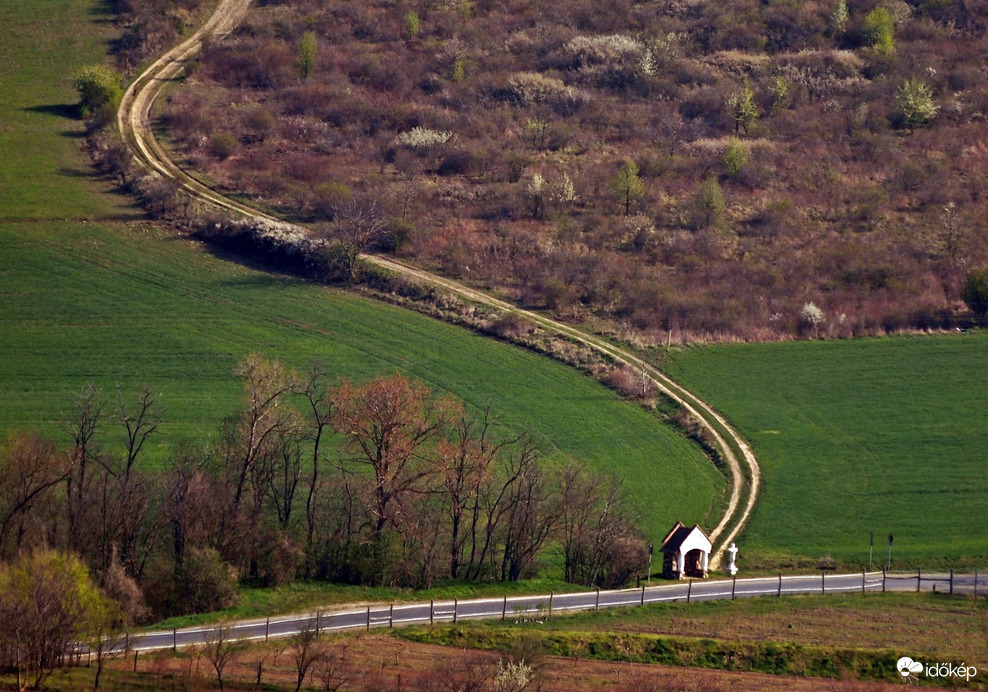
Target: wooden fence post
{"points": [[135, 661], [951, 581], [368, 618], [919, 578], [596, 605], [643, 594], [317, 623], [863, 590], [455, 606], [975, 582], [174, 639], [432, 608], [734, 585], [550, 603], [823, 583], [689, 591], [391, 616], [780, 586], [267, 628], [883, 580], [504, 608]]}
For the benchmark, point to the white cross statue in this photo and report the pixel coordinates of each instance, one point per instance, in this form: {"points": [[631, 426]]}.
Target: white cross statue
{"points": [[732, 554]]}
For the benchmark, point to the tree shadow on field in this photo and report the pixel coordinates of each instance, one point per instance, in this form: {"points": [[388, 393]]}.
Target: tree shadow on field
{"points": [[273, 274], [256, 281], [69, 111], [65, 111], [77, 172], [102, 12]]}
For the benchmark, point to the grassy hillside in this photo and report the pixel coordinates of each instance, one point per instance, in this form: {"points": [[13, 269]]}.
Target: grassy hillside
{"points": [[877, 435], [704, 169], [90, 292]]}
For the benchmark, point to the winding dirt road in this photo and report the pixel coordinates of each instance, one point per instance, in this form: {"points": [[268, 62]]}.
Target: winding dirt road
{"points": [[134, 121]]}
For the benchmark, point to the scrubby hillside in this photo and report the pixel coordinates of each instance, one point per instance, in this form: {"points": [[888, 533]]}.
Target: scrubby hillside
{"points": [[704, 168]]}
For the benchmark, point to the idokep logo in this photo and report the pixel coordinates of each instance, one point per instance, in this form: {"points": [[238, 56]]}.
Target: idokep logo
{"points": [[908, 667], [910, 670]]}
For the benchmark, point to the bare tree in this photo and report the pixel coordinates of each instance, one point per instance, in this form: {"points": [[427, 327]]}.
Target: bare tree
{"points": [[316, 394], [140, 422], [187, 490], [29, 469], [495, 505], [332, 669], [82, 426], [600, 544], [287, 474], [467, 460], [220, 648], [257, 659], [359, 223], [306, 651], [460, 672], [126, 524], [388, 424], [532, 516], [266, 384]]}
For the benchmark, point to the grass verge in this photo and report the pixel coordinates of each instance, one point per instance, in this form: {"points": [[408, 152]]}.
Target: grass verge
{"points": [[840, 637]]}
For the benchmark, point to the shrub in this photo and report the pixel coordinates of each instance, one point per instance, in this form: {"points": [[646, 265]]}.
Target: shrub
{"points": [[879, 30], [97, 85], [422, 138], [811, 317], [223, 145], [529, 88], [458, 162], [511, 326], [206, 582], [975, 293], [606, 50], [709, 207], [412, 24], [914, 104], [735, 157], [742, 108]]}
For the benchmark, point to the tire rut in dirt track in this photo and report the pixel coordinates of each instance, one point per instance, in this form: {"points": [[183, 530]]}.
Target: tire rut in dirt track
{"points": [[134, 121]]}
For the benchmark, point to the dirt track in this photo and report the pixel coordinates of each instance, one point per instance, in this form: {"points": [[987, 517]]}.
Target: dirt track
{"points": [[134, 121]]}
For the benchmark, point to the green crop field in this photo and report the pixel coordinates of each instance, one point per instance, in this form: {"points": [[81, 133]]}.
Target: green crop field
{"points": [[886, 435], [89, 292]]}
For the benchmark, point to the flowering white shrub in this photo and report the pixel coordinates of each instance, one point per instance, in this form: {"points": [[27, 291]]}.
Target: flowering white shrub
{"points": [[811, 315], [596, 50], [533, 87], [512, 677], [422, 138], [565, 191], [536, 185]]}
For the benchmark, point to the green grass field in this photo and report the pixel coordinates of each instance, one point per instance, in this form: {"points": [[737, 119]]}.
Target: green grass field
{"points": [[92, 293], [885, 435]]}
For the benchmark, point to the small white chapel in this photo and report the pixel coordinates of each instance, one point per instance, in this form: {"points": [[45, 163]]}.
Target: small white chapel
{"points": [[685, 552]]}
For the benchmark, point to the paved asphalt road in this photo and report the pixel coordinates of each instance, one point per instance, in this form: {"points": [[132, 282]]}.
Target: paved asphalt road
{"points": [[544, 606]]}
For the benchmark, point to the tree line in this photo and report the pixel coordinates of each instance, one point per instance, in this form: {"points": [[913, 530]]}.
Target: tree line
{"points": [[380, 482]]}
